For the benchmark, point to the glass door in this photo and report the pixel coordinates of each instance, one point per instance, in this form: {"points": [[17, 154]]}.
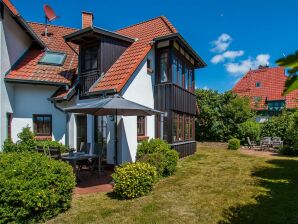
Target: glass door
{"points": [[100, 132]]}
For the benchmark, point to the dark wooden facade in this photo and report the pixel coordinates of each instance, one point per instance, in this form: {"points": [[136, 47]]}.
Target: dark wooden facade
{"points": [[173, 98], [108, 51]]}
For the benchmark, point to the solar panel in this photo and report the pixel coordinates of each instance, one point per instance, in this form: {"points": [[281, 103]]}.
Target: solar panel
{"points": [[53, 58]]}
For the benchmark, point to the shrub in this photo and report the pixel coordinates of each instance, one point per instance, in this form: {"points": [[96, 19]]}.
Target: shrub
{"points": [[278, 126], [33, 187], [234, 144], [152, 146], [134, 180], [249, 129], [159, 154], [9, 146], [47, 143], [27, 141]]}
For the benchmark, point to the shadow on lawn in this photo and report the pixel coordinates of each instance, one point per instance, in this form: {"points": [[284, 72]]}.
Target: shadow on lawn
{"points": [[278, 205]]}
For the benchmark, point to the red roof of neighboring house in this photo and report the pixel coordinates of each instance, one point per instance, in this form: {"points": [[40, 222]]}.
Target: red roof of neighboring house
{"points": [[30, 70], [117, 76], [272, 82], [11, 7]]}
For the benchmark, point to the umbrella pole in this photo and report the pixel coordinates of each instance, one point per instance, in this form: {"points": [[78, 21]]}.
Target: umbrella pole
{"points": [[116, 141]]}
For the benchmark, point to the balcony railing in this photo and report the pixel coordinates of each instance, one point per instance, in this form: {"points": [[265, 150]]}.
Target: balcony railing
{"points": [[87, 79]]}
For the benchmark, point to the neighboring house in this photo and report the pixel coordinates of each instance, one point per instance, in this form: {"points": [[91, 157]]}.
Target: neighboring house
{"points": [[148, 63], [264, 86]]}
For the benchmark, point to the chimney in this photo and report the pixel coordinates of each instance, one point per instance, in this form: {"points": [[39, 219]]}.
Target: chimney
{"points": [[87, 19]]}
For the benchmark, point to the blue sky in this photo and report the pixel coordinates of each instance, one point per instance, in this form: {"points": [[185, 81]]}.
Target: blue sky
{"points": [[230, 35]]}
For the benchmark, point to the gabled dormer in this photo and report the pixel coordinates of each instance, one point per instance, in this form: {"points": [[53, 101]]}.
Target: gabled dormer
{"points": [[99, 50]]}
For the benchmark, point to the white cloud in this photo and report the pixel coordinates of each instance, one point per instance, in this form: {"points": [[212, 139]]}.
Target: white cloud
{"points": [[222, 43], [263, 59], [236, 69], [231, 55], [205, 88]]}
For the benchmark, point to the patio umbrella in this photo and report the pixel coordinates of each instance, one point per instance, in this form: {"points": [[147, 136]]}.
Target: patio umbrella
{"points": [[115, 105]]}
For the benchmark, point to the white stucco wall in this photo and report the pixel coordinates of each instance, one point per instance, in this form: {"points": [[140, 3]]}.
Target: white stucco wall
{"points": [[139, 89], [14, 42], [32, 99]]}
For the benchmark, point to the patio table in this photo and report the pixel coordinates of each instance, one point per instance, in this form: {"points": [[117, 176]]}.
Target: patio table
{"points": [[73, 158]]}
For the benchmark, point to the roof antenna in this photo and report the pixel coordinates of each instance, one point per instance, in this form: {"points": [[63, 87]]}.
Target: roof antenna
{"points": [[50, 16]]}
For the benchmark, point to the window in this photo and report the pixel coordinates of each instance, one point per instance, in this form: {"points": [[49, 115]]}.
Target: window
{"points": [[175, 127], [141, 126], [9, 120], [42, 124], [175, 70], [180, 72], [53, 58], [148, 63], [178, 127], [90, 58], [186, 77], [258, 84], [187, 128], [164, 67]]}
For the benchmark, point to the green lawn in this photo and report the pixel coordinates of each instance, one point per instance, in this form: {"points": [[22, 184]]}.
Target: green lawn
{"points": [[213, 186]]}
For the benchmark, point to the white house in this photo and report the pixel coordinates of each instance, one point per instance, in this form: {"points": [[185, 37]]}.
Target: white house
{"points": [[149, 63]]}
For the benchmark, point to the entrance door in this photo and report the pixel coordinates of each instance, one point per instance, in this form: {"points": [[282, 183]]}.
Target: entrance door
{"points": [[81, 121]]}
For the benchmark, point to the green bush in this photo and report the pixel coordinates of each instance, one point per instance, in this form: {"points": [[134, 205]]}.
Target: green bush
{"points": [[234, 144], [159, 154], [33, 188], [278, 126], [47, 143], [27, 140], [133, 180], [9, 146], [249, 129]]}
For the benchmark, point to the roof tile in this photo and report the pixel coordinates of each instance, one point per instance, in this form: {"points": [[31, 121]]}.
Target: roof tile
{"points": [[30, 69], [117, 76], [272, 82]]}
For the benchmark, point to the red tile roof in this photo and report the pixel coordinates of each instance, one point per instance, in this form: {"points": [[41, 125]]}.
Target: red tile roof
{"points": [[30, 70], [11, 7], [272, 82], [120, 72]]}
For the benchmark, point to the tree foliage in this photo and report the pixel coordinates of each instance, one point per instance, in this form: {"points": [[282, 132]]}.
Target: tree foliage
{"points": [[291, 62], [220, 115]]}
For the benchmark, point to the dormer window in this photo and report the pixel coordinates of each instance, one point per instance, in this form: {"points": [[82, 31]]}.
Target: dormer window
{"points": [[90, 58], [53, 58], [258, 84]]}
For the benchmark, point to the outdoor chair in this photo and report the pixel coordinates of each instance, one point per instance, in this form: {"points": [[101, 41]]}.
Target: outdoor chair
{"points": [[266, 143], [252, 144], [84, 164], [54, 152], [85, 147], [277, 142]]}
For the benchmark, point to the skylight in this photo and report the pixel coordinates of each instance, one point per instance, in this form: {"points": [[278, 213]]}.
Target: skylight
{"points": [[53, 58]]}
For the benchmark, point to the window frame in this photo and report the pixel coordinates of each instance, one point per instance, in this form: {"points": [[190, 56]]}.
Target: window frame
{"points": [[187, 69], [34, 117], [84, 48], [51, 63], [144, 126], [160, 52]]}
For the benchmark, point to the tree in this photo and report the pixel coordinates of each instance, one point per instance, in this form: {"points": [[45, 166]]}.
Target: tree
{"points": [[290, 61], [220, 114]]}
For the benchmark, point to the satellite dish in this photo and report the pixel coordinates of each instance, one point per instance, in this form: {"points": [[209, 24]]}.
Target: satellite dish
{"points": [[50, 16], [49, 12]]}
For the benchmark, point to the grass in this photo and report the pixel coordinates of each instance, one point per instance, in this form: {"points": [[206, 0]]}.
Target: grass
{"points": [[213, 186]]}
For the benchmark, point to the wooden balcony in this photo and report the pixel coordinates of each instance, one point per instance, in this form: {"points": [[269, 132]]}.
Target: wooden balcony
{"points": [[87, 79], [169, 96]]}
